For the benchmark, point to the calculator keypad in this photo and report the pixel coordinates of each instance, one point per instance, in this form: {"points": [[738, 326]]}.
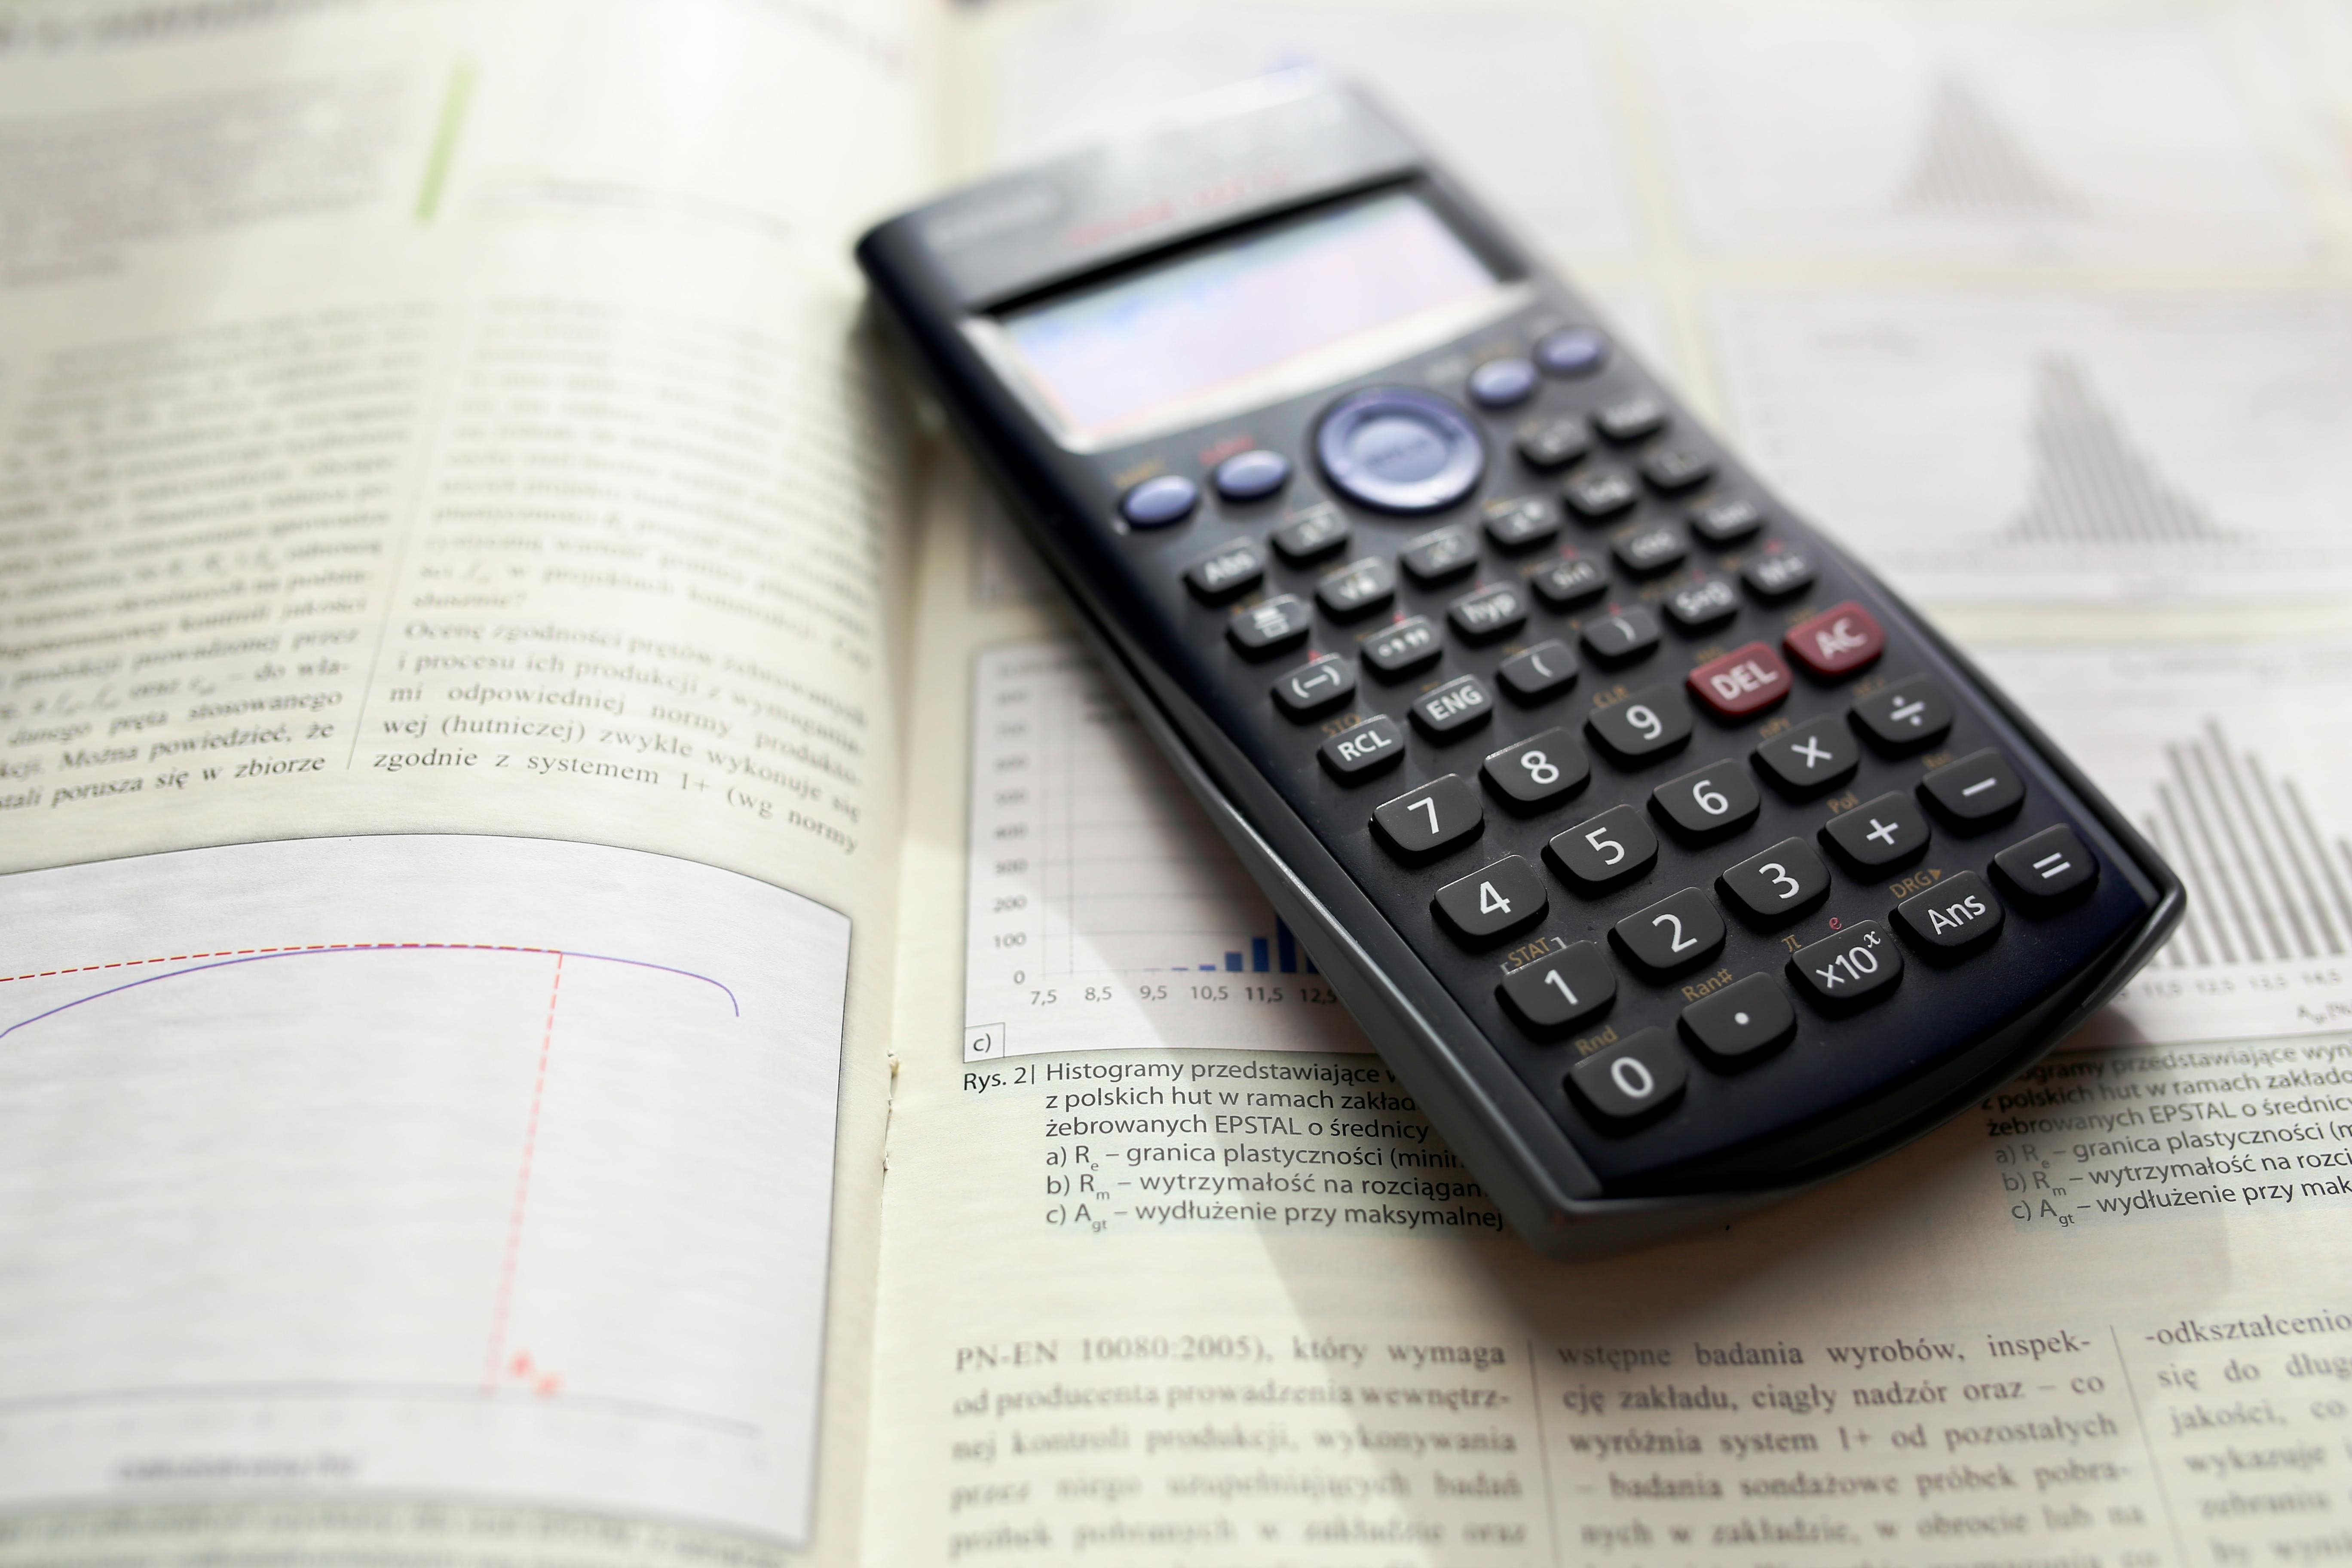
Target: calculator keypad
{"points": [[1659, 797]]}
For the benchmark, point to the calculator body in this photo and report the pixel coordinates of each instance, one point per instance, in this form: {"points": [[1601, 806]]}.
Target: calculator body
{"points": [[1672, 863]]}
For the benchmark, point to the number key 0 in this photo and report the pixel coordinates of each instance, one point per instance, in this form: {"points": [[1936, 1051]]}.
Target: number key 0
{"points": [[1439, 815]]}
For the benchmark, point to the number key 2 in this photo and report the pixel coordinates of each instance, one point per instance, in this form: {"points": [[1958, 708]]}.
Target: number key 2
{"points": [[1671, 935]]}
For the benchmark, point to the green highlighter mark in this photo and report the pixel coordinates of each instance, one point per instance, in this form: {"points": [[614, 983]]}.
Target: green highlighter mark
{"points": [[455, 99]]}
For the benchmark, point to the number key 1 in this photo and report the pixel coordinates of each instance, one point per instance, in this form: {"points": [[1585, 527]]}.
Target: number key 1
{"points": [[1560, 990], [1538, 772]]}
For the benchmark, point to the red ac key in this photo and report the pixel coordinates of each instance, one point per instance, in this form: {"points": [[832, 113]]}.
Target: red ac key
{"points": [[1837, 640], [1741, 681]]}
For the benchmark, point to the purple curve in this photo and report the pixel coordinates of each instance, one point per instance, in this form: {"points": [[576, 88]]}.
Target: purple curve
{"points": [[362, 947]]}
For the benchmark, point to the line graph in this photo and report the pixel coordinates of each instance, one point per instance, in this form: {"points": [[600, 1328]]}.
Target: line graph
{"points": [[249, 956], [529, 1204], [1105, 913]]}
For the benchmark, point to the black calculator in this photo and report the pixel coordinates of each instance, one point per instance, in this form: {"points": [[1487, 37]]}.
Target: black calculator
{"points": [[1670, 861]]}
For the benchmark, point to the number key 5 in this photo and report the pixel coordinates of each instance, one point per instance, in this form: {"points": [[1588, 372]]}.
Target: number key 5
{"points": [[1604, 851]]}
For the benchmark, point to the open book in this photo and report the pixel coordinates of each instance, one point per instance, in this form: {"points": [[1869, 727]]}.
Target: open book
{"points": [[589, 975]]}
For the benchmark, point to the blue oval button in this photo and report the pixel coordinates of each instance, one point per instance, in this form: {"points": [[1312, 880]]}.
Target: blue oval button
{"points": [[1252, 476], [1155, 503], [1400, 449], [1500, 383], [1572, 351]]}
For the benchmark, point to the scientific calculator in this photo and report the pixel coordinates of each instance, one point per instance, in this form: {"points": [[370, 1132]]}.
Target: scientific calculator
{"points": [[1670, 861]]}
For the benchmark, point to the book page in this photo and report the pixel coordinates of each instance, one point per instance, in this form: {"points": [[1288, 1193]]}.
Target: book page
{"points": [[448, 422], [1220, 1294]]}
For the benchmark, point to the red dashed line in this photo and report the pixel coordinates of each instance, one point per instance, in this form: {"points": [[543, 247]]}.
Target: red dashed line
{"points": [[505, 1300], [252, 951]]}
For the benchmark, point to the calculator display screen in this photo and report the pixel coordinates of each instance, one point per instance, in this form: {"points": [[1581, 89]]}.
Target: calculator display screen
{"points": [[1148, 343]]}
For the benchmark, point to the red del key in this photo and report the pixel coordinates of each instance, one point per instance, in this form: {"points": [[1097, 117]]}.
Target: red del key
{"points": [[1837, 640], [1742, 680]]}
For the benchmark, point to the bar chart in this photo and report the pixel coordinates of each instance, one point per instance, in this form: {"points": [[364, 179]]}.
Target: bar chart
{"points": [[1105, 913], [2226, 758]]}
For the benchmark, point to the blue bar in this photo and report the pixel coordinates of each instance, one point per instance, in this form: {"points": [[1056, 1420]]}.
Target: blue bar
{"points": [[1210, 967], [1310, 965], [1234, 963], [1286, 949], [1258, 954]]}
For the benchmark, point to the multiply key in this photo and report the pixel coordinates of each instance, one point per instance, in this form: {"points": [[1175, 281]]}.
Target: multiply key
{"points": [[1811, 758]]}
